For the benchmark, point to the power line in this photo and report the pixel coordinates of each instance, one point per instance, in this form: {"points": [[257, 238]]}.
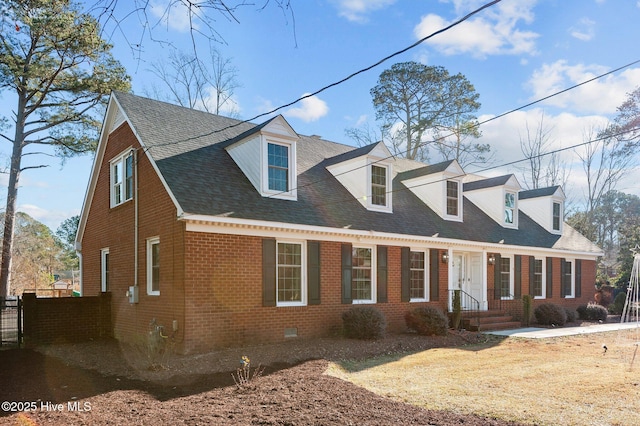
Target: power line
{"points": [[481, 123], [492, 167], [349, 77]]}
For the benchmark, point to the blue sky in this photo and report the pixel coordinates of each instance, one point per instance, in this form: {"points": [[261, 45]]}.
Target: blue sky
{"points": [[513, 53]]}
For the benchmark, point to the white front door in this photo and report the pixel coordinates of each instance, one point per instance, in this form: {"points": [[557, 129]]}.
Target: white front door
{"points": [[467, 276]]}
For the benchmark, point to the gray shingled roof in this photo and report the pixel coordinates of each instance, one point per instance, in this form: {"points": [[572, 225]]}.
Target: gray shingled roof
{"points": [[539, 192], [486, 183], [188, 148]]}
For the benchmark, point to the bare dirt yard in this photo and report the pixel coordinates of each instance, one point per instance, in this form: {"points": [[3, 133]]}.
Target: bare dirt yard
{"points": [[100, 383]]}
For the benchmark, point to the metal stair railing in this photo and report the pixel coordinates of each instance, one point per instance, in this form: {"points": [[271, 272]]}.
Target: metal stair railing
{"points": [[464, 302]]}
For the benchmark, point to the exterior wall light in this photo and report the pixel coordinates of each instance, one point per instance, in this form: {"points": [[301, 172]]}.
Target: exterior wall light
{"points": [[445, 257], [492, 259]]}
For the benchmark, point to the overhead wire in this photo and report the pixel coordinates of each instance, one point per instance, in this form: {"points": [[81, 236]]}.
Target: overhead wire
{"points": [[478, 124], [349, 77]]}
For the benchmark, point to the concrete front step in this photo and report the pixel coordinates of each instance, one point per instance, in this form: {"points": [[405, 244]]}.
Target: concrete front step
{"points": [[488, 320]]}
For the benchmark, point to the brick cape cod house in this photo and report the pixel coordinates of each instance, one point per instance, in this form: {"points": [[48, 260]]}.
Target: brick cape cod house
{"points": [[226, 232]]}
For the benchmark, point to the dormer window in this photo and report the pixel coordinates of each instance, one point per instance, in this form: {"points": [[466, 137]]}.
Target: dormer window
{"points": [[510, 208], [556, 216], [267, 157], [379, 179], [378, 185], [453, 197], [278, 167]]}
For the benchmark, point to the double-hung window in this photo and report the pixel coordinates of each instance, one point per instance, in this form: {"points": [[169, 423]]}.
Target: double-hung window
{"points": [[556, 216], [153, 266], [122, 178], [378, 185], [278, 167], [505, 277], [452, 197], [510, 208], [362, 275], [538, 282], [290, 288], [417, 277]]}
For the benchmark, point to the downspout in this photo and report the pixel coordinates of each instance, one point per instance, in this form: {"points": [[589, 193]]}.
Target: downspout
{"points": [[135, 218], [78, 247]]}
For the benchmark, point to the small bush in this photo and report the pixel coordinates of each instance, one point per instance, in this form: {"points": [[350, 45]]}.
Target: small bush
{"points": [[427, 321], [572, 315], [550, 314], [364, 322], [618, 303], [593, 312]]}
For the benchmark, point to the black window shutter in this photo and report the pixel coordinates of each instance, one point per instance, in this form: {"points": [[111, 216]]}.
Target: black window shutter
{"points": [[405, 276], [434, 275], [313, 272], [532, 275], [268, 272], [517, 276], [382, 274], [578, 278], [563, 278], [346, 273], [497, 277], [549, 277]]}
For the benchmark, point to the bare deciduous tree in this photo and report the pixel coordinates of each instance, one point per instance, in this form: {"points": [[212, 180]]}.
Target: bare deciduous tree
{"points": [[194, 83]]}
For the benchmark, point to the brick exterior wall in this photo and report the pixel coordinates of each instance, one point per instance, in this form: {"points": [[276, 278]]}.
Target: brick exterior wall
{"points": [[211, 284], [114, 228]]}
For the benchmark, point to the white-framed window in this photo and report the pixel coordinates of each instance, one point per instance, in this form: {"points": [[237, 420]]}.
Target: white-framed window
{"points": [[279, 169], [510, 209], [506, 277], [153, 266], [121, 176], [379, 178], [291, 289], [453, 198], [556, 219], [569, 279], [418, 276], [363, 285], [539, 289], [104, 269]]}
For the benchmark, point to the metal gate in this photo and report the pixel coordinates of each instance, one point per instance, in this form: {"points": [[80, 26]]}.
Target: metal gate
{"points": [[10, 321]]}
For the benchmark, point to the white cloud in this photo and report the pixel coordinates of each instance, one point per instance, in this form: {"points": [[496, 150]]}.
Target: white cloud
{"points": [[601, 96], [565, 130], [173, 15], [492, 32], [357, 10], [311, 109], [583, 30], [51, 218]]}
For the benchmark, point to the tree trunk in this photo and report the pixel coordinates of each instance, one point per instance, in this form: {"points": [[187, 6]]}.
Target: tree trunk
{"points": [[12, 197]]}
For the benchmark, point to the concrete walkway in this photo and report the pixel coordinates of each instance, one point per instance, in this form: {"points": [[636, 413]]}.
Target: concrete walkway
{"points": [[542, 333]]}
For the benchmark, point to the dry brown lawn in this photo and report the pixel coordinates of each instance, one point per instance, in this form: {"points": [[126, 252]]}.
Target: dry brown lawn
{"points": [[555, 381]]}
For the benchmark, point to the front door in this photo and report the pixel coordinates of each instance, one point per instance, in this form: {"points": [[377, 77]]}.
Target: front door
{"points": [[467, 276]]}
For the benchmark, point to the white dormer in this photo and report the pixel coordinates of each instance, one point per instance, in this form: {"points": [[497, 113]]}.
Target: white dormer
{"points": [[497, 197], [367, 173], [267, 156], [545, 206], [439, 186]]}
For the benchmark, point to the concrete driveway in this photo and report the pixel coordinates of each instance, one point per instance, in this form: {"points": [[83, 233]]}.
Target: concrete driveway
{"points": [[542, 333]]}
